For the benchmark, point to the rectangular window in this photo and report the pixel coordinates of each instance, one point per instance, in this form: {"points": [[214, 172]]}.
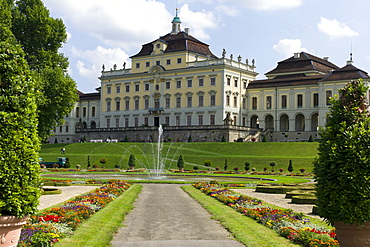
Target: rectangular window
{"points": [[146, 86], [299, 100], [136, 121], [213, 100], [283, 101], [177, 120], [179, 60], [268, 102], [200, 101], [328, 96], [109, 89], [228, 81], [60, 128], [213, 81], [93, 111], [235, 82], [117, 122], [235, 102], [178, 84], [244, 103], [190, 100], [84, 111], [108, 106], [147, 64], [200, 119], [158, 62], [137, 87], [126, 122], [138, 65], [178, 102], [245, 84], [77, 111], [315, 100], [168, 102], [118, 105], [227, 100], [108, 122], [168, 84], [127, 88], [167, 120], [190, 83], [67, 129], [243, 119], [212, 119], [168, 62], [254, 103], [146, 121], [146, 104], [118, 89], [201, 82], [188, 120], [156, 103], [127, 105], [136, 104]]}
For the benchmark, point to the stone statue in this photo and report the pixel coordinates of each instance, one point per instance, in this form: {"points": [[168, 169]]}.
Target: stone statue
{"points": [[115, 66], [239, 59], [223, 53], [246, 61], [103, 68], [124, 65], [231, 56], [196, 57], [253, 62]]}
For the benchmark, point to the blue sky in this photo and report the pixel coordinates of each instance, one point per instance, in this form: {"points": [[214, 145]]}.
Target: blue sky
{"points": [[110, 31]]}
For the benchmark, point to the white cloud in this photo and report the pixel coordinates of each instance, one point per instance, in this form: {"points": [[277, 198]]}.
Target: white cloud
{"points": [[228, 10], [288, 47], [335, 29], [267, 4], [122, 23], [198, 22], [90, 62]]}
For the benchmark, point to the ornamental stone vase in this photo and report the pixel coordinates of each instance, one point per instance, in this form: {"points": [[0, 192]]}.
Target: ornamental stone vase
{"points": [[10, 230], [352, 235]]}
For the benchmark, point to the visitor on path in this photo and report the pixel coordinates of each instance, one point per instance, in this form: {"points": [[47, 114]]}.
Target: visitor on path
{"points": [[62, 150]]}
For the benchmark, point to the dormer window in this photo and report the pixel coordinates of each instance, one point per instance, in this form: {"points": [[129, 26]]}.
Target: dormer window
{"points": [[158, 46]]}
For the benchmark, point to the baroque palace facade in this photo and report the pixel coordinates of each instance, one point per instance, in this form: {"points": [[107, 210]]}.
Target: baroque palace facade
{"points": [[177, 82]]}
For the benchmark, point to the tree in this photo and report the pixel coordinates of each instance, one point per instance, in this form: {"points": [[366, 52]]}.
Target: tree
{"points": [[19, 143], [247, 166], [67, 164], [264, 139], [180, 163], [207, 163], [41, 36], [225, 165]]}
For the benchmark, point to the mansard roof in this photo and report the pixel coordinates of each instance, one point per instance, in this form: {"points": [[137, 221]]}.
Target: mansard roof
{"points": [[286, 81], [89, 96], [301, 62], [181, 41], [348, 72]]}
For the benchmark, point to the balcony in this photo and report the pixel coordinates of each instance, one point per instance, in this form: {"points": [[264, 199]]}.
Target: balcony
{"points": [[156, 111]]}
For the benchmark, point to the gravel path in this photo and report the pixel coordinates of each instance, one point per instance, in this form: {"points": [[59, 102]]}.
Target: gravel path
{"points": [[67, 193], [278, 200], [166, 216]]}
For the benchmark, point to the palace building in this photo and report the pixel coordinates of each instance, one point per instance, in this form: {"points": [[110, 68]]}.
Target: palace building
{"points": [[177, 82]]}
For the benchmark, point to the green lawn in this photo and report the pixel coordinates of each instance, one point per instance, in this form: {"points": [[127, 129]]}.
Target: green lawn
{"points": [[259, 155]]}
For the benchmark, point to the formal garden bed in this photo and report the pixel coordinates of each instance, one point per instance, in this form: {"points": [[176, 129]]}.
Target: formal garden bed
{"points": [[53, 224], [291, 225]]}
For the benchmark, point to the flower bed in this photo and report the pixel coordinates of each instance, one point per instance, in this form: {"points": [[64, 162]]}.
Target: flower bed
{"points": [[287, 223], [49, 226]]}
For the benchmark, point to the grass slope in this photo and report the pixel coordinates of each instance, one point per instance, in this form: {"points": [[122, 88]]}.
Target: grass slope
{"points": [[259, 155]]}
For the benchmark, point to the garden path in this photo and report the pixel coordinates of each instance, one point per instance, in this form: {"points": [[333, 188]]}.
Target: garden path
{"points": [[166, 216]]}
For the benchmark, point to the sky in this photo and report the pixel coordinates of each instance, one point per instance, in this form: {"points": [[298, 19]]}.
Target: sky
{"points": [[109, 32]]}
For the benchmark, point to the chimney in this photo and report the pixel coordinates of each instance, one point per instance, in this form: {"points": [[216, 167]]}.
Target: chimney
{"points": [[326, 58], [187, 30], [297, 55], [350, 62]]}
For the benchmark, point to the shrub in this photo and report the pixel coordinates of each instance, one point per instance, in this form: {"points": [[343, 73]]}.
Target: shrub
{"points": [[264, 139], [19, 143], [208, 163], [217, 168], [236, 169], [180, 162], [290, 167], [67, 164], [281, 169], [131, 161], [246, 166], [302, 170], [265, 169], [103, 161], [195, 167], [225, 165]]}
